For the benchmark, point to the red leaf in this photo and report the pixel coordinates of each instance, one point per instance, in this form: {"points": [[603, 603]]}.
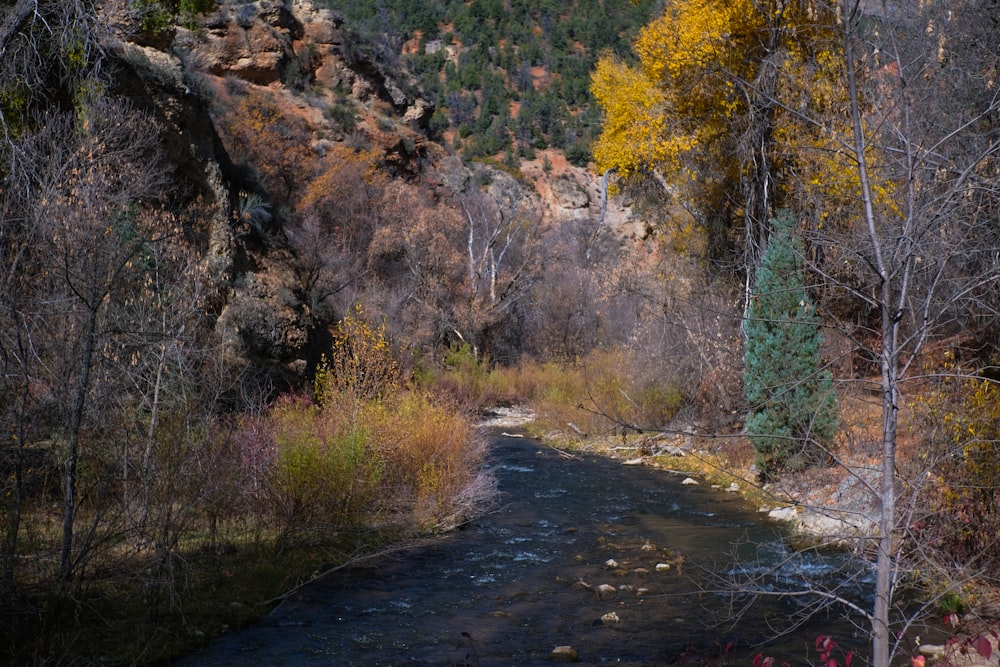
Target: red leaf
{"points": [[951, 620], [848, 658], [757, 660], [918, 661], [983, 647], [831, 663], [826, 643]]}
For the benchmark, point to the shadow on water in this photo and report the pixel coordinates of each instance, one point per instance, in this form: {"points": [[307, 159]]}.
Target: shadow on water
{"points": [[518, 582]]}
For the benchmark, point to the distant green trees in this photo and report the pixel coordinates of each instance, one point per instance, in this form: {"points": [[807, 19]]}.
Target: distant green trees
{"points": [[793, 408], [501, 43]]}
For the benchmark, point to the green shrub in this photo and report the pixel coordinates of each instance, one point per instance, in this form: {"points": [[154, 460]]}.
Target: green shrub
{"points": [[157, 15], [343, 117], [327, 471]]}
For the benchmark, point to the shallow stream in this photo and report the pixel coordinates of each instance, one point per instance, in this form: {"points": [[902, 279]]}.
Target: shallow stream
{"points": [[528, 577]]}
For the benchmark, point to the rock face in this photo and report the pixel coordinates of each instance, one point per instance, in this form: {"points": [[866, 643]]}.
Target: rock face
{"points": [[257, 307], [281, 47], [250, 41], [268, 42]]}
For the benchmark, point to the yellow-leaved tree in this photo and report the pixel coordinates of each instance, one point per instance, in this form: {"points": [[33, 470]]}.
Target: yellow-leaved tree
{"points": [[721, 109]]}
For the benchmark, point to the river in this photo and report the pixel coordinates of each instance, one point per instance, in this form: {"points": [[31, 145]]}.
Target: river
{"points": [[623, 563]]}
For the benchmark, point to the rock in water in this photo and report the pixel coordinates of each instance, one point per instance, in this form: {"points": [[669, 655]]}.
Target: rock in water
{"points": [[564, 654]]}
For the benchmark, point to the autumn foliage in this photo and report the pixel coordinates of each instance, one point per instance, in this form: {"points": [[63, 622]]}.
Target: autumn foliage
{"points": [[963, 502], [715, 107], [364, 450]]}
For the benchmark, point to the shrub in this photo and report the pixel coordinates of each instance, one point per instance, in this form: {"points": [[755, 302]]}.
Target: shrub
{"points": [[343, 118], [366, 451], [963, 519], [404, 460], [156, 15], [327, 470], [438, 461], [360, 365], [605, 391]]}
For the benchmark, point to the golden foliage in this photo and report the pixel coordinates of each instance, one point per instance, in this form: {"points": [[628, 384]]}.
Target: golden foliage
{"points": [[361, 364], [709, 72], [635, 132], [962, 498]]}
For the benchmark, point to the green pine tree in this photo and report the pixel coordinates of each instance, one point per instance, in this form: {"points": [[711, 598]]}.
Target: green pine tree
{"points": [[793, 408]]}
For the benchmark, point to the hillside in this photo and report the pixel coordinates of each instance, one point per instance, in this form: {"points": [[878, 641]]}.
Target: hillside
{"points": [[294, 90], [505, 78]]}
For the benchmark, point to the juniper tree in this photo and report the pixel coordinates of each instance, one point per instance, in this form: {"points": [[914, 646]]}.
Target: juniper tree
{"points": [[793, 409]]}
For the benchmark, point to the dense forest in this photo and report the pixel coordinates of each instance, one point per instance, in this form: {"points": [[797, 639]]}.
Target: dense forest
{"points": [[262, 264], [519, 79]]}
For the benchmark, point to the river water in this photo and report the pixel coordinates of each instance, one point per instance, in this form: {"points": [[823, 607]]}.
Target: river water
{"points": [[528, 577]]}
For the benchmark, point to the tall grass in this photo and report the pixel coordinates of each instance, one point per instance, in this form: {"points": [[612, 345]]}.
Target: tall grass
{"points": [[405, 460], [602, 392]]}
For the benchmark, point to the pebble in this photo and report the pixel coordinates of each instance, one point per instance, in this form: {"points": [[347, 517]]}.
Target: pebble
{"points": [[610, 617], [606, 589], [611, 564], [690, 481], [662, 567]]}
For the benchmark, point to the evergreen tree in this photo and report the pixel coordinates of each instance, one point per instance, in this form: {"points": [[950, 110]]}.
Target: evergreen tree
{"points": [[793, 409]]}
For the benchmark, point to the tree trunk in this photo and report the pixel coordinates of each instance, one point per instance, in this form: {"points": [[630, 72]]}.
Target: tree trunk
{"points": [[884, 562], [889, 366], [73, 445]]}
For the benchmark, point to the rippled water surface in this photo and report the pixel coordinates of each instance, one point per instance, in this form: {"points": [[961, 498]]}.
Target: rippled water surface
{"points": [[518, 582]]}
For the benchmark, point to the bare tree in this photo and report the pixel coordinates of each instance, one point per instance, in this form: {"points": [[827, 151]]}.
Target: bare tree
{"points": [[920, 249], [88, 183], [502, 253]]}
